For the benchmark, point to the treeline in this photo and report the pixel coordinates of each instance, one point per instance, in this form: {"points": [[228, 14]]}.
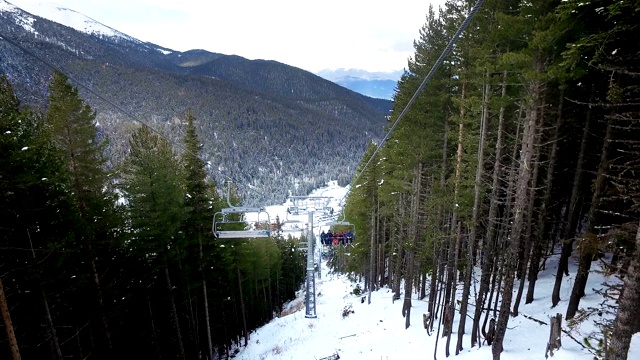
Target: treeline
{"points": [[523, 145], [111, 260]]}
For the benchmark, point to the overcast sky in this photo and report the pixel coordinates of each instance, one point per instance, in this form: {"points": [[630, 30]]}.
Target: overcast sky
{"points": [[373, 35]]}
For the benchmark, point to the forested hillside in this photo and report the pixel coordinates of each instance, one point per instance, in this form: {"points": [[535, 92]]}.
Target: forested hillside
{"points": [[115, 262], [264, 124], [525, 143]]}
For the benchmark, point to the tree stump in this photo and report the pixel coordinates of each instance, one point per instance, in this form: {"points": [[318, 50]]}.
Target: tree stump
{"points": [[554, 337]]}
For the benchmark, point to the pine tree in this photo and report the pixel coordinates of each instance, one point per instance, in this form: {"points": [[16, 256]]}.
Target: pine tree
{"points": [[153, 187], [199, 206], [9, 111], [75, 136], [33, 204]]}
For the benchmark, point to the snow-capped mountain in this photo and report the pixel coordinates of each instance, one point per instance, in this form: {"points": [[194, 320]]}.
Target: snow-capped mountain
{"points": [[67, 17]]}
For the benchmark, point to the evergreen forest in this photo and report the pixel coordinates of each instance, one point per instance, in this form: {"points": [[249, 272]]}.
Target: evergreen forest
{"points": [[524, 144], [115, 262]]}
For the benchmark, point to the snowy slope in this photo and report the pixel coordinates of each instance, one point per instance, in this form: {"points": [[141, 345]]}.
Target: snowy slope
{"points": [[64, 16], [376, 330]]}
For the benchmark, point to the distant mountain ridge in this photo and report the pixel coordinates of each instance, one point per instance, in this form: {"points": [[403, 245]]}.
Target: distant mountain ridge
{"points": [[254, 117], [342, 73], [381, 85]]}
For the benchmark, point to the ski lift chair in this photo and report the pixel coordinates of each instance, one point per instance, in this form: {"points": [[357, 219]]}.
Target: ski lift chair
{"points": [[342, 223], [223, 227]]}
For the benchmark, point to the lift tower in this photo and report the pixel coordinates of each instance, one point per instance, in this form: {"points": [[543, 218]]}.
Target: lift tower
{"points": [[310, 205]]}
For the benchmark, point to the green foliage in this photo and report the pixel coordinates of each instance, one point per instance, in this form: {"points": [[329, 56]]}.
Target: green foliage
{"points": [[598, 349], [169, 204], [357, 290], [200, 195], [153, 188], [31, 190]]}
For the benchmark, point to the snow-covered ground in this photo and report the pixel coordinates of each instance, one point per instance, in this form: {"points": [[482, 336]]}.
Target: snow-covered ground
{"points": [[377, 330]]}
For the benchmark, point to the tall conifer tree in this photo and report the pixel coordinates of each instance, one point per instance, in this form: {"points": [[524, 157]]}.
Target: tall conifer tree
{"points": [[152, 181], [199, 207], [75, 136]]}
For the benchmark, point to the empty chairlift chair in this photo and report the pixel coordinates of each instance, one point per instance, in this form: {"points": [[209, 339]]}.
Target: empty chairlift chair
{"points": [[226, 228]]}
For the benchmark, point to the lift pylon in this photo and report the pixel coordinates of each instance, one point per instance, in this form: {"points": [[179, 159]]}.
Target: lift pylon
{"points": [[309, 205]]}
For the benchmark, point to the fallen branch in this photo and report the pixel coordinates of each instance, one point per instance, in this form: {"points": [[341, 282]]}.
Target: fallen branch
{"points": [[563, 330], [534, 319], [578, 342], [335, 356], [342, 337]]}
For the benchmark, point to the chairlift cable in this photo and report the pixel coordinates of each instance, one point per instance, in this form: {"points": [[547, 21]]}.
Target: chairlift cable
{"points": [[447, 50]]}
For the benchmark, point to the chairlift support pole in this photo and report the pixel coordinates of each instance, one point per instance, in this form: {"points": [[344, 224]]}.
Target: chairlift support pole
{"points": [[310, 204], [310, 297]]}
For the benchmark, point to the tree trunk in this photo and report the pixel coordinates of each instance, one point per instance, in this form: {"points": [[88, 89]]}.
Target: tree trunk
{"points": [[174, 313], [242, 309], [398, 268], [586, 249], [528, 237], [519, 207], [488, 255], [382, 261], [103, 316], [400, 252], [206, 317], [52, 329], [205, 297], [555, 340], [450, 294], [484, 119], [8, 325], [626, 324], [451, 306], [408, 282], [536, 254], [372, 257], [433, 287], [423, 281], [572, 216]]}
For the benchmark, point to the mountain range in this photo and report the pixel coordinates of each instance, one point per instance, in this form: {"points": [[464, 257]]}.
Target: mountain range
{"points": [[253, 116], [381, 85]]}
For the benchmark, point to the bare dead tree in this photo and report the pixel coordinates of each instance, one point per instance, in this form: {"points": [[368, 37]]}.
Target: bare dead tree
{"points": [[536, 254], [487, 253], [555, 341], [477, 190], [518, 210], [527, 237]]}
